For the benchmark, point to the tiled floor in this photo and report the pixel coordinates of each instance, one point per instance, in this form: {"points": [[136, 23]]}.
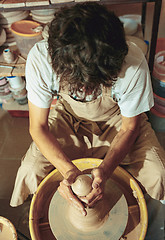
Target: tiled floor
{"points": [[15, 139]]}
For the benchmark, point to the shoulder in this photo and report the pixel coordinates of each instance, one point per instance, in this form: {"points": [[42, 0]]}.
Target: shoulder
{"points": [[39, 52], [39, 75], [135, 69], [132, 62], [40, 47], [133, 89], [38, 60]]}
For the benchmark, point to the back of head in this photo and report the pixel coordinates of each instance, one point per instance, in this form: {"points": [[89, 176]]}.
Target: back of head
{"points": [[87, 45]]}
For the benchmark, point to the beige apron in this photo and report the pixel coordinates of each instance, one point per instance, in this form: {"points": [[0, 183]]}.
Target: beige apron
{"points": [[86, 129]]}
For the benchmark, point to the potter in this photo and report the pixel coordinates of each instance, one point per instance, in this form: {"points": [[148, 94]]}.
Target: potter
{"points": [[104, 89]]}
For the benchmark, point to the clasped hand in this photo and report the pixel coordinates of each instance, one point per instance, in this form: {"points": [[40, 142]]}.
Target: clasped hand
{"points": [[92, 198]]}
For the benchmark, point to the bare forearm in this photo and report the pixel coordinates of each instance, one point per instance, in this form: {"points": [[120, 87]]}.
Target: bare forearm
{"points": [[119, 148], [51, 149]]}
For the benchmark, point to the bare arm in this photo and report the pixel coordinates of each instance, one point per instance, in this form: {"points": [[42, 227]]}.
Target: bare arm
{"points": [[50, 148], [121, 144], [46, 142], [119, 148]]}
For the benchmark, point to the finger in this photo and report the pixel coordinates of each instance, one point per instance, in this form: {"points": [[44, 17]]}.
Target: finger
{"points": [[96, 182], [66, 182], [71, 176], [97, 178], [97, 172], [78, 205], [67, 193], [91, 196], [63, 190], [91, 203], [98, 198]]}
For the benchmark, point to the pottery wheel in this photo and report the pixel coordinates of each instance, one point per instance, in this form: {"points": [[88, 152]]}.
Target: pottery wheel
{"points": [[113, 227]]}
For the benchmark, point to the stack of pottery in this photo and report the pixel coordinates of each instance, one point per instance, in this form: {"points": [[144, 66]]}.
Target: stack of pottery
{"points": [[157, 113], [8, 230], [132, 25], [45, 31], [2, 36], [17, 87], [6, 19], [43, 15], [26, 34], [5, 93]]}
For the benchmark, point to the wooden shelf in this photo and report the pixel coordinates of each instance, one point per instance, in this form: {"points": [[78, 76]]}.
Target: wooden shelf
{"points": [[13, 5], [18, 67], [6, 5], [16, 110], [15, 106]]}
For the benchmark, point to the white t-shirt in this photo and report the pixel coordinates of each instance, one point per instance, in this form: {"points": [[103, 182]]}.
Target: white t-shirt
{"points": [[132, 90]]}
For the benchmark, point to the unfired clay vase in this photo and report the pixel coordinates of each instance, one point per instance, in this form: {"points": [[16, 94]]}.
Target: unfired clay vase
{"points": [[106, 220], [95, 215], [82, 186]]}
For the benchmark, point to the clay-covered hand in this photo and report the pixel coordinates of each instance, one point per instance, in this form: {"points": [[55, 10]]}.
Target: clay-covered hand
{"points": [[67, 193], [98, 185]]}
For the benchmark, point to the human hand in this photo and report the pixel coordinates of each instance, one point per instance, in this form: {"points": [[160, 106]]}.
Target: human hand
{"points": [[67, 193], [98, 185]]}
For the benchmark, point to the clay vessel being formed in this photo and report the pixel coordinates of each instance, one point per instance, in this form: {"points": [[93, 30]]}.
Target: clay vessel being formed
{"points": [[96, 215]]}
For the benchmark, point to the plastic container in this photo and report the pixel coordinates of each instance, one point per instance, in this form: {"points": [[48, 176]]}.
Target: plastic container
{"points": [[159, 104], [159, 66], [26, 34], [160, 45], [159, 100], [158, 87], [3, 81], [16, 82], [5, 94], [157, 120], [159, 108], [8, 98]]}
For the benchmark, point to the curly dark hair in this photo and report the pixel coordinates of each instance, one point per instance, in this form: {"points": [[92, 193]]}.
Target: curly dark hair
{"points": [[87, 45]]}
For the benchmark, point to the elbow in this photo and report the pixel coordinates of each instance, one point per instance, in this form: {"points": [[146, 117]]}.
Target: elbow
{"points": [[34, 131], [31, 132], [135, 132], [37, 131], [131, 126], [132, 133]]}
